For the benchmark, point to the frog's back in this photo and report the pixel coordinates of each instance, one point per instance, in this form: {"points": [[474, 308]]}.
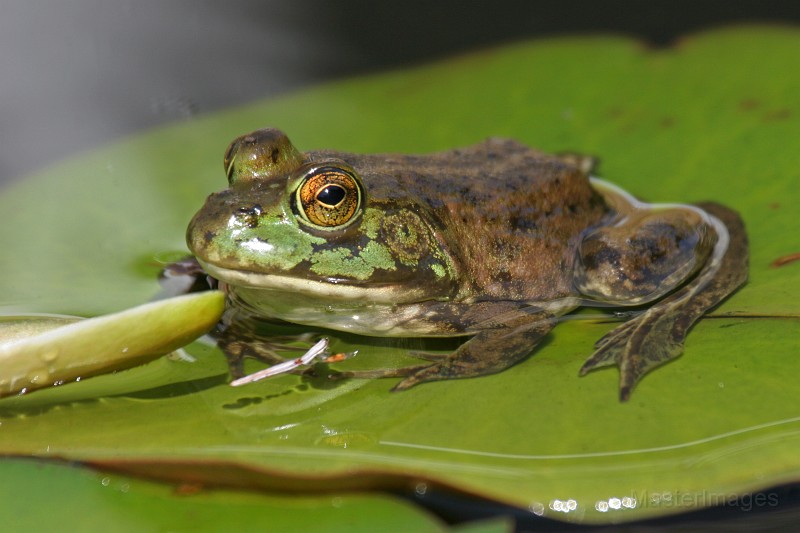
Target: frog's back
{"points": [[511, 216]]}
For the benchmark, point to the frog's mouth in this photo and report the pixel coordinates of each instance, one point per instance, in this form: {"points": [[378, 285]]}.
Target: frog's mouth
{"points": [[323, 289]]}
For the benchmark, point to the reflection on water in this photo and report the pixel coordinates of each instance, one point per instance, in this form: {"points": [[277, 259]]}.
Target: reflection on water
{"points": [[615, 504]]}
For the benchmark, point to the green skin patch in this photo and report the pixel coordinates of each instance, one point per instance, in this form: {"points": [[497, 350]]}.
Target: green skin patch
{"points": [[357, 262], [286, 246], [360, 266]]}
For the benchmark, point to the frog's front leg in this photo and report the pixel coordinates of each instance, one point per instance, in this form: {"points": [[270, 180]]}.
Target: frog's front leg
{"points": [[657, 335], [505, 333], [237, 337]]}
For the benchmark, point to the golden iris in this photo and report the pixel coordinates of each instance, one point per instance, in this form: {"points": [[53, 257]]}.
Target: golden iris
{"points": [[329, 197]]}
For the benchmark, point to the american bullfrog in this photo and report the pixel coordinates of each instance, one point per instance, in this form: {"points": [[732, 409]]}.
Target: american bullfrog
{"points": [[493, 242]]}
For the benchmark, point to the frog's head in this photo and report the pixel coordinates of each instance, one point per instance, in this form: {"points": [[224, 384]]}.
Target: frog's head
{"points": [[318, 225]]}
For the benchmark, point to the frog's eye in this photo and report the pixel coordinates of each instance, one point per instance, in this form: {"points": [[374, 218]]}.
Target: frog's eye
{"points": [[329, 197], [260, 155]]}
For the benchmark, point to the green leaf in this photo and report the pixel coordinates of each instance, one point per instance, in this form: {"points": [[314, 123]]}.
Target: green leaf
{"points": [[714, 118]]}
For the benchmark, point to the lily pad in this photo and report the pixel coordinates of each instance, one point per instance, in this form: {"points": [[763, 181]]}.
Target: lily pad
{"points": [[714, 118]]}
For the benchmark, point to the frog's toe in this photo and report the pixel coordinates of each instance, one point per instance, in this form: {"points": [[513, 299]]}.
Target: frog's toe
{"points": [[433, 372], [235, 365], [635, 351], [448, 368], [235, 353], [621, 332], [428, 356], [376, 373], [612, 353], [638, 360], [630, 367], [404, 385], [600, 359]]}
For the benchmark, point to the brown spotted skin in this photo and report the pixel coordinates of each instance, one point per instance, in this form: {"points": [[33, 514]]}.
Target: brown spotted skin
{"points": [[511, 217], [494, 241]]}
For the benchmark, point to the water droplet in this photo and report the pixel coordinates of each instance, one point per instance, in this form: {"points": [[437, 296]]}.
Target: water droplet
{"points": [[628, 502], [564, 506], [38, 376], [537, 508], [421, 489], [572, 505], [49, 355], [106, 481]]}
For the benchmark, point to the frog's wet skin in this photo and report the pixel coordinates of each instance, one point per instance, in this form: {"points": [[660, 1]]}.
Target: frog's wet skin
{"points": [[495, 241]]}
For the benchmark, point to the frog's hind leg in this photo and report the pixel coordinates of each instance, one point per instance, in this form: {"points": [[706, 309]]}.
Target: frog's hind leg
{"points": [[509, 335], [488, 352], [400, 372], [505, 333], [657, 335]]}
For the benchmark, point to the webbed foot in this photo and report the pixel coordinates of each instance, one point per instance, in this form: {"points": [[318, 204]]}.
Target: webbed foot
{"points": [[657, 336], [637, 347]]}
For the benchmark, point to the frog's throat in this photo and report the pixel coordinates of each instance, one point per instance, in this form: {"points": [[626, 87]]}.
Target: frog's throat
{"points": [[333, 289]]}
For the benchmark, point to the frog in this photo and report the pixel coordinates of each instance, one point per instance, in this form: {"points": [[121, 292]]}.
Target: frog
{"points": [[494, 243]]}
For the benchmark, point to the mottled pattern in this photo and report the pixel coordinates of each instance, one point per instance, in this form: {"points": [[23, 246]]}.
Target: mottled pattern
{"points": [[495, 241], [509, 217]]}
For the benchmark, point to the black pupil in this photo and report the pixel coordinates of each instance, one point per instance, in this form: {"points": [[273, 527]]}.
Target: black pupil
{"points": [[331, 195]]}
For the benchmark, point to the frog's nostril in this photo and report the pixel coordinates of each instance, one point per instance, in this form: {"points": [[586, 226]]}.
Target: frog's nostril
{"points": [[255, 210], [249, 215]]}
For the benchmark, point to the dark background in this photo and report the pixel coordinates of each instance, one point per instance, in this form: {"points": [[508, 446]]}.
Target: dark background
{"points": [[75, 74]]}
